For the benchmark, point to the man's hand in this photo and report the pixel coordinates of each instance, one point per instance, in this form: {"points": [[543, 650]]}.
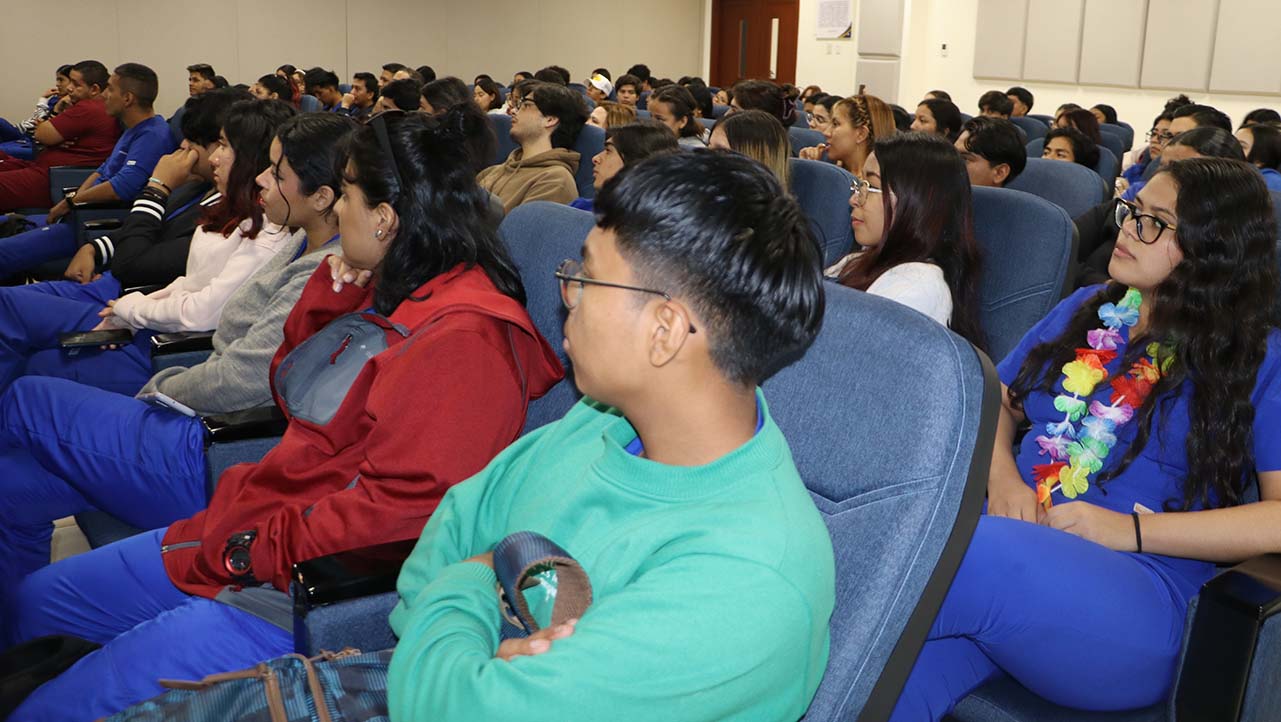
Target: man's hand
{"points": [[57, 212], [1112, 529], [536, 643], [82, 264], [343, 273], [348, 100], [175, 168]]}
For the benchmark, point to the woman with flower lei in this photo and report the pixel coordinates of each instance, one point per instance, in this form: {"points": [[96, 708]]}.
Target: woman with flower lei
{"points": [[1153, 402]]}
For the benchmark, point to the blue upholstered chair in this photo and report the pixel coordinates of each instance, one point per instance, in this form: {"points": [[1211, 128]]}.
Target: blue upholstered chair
{"points": [[1028, 247], [1048, 120], [823, 190], [1113, 140], [309, 104], [900, 510], [804, 138], [1031, 127], [1072, 187], [503, 134], [591, 140], [1107, 168], [1125, 130], [719, 110]]}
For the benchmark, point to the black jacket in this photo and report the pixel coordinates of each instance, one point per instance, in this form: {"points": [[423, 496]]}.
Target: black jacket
{"points": [[151, 247]]}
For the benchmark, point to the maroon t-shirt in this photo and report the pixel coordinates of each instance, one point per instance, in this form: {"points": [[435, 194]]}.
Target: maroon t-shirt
{"points": [[88, 133]]}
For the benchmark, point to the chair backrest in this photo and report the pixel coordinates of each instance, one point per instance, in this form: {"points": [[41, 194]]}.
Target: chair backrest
{"points": [[1031, 127], [800, 119], [965, 118], [643, 114], [539, 235], [1113, 140], [1106, 168], [900, 491], [1047, 119], [310, 104], [1125, 129], [579, 87], [706, 122], [502, 125], [823, 190], [719, 110], [591, 140], [642, 101], [344, 88], [804, 138], [1072, 187], [1028, 246]]}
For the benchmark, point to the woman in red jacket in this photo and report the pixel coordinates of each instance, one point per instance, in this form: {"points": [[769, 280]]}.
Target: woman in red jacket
{"points": [[407, 365]]}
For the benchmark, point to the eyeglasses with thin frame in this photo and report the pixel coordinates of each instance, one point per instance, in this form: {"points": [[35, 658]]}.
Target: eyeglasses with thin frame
{"points": [[861, 190], [1147, 226], [1161, 137], [570, 273]]}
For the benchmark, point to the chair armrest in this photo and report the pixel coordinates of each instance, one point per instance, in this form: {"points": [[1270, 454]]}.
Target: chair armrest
{"points": [[102, 225], [189, 336], [1222, 652], [258, 423], [349, 575], [105, 206], [181, 342]]}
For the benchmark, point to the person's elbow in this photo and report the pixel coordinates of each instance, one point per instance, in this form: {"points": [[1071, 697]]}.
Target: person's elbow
{"points": [[47, 135]]}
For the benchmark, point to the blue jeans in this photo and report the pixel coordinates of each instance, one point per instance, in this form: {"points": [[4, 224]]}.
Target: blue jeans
{"points": [[24, 251], [66, 448], [1073, 621], [33, 317], [121, 597]]}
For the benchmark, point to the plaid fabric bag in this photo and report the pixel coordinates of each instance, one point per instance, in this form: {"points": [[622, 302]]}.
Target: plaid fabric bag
{"points": [[348, 687]]}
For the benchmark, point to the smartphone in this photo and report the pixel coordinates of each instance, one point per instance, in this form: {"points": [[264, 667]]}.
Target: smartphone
{"points": [[81, 339], [155, 398]]}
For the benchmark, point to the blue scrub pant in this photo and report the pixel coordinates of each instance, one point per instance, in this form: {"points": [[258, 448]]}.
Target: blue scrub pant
{"points": [[67, 448], [9, 131], [33, 317], [1075, 622], [120, 596], [24, 251], [22, 149]]}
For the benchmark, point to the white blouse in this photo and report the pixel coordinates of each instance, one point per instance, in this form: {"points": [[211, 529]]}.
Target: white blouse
{"points": [[918, 286]]}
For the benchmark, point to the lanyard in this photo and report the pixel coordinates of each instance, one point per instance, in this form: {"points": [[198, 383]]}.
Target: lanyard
{"points": [[179, 212], [303, 247]]}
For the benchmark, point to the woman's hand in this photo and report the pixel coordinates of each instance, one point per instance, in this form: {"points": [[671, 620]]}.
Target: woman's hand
{"points": [[109, 311], [344, 273], [1011, 498], [1112, 529], [814, 152]]}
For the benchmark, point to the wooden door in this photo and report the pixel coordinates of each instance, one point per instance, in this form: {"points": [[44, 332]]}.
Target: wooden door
{"points": [[754, 39]]}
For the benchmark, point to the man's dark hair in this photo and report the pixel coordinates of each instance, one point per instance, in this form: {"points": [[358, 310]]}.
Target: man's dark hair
{"points": [[204, 70], [1204, 115], [640, 140], [997, 102], [140, 81], [445, 93], [767, 96], [1084, 150], [394, 68], [206, 113], [549, 75], [1109, 113], [640, 71], [603, 71], [427, 72], [317, 78], [64, 71], [1023, 94], [220, 82], [563, 72], [370, 82], [403, 93], [628, 79], [997, 141], [1210, 142], [1177, 102], [565, 105], [941, 95], [92, 72], [719, 231]]}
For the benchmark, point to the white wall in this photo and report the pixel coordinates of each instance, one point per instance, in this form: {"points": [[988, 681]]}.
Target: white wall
{"points": [[244, 39], [931, 23]]}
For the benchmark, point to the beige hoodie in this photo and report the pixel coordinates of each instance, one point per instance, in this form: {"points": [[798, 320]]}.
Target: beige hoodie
{"points": [[545, 177]]}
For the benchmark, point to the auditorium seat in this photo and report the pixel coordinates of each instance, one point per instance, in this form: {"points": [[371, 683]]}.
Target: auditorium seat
{"points": [[503, 134], [1074, 188], [899, 505], [1048, 120], [719, 110], [1113, 140], [1107, 168], [823, 190], [310, 104], [1028, 247], [1125, 129], [804, 138], [591, 140], [1032, 129]]}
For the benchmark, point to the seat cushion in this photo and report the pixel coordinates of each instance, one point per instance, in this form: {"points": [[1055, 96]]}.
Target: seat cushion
{"points": [[1004, 700]]}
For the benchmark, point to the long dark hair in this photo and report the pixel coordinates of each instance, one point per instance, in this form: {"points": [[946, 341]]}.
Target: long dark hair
{"points": [[931, 221], [419, 165], [1227, 233], [249, 125]]}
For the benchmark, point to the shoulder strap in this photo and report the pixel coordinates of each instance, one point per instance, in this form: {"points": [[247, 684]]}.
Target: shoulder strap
{"points": [[517, 560]]}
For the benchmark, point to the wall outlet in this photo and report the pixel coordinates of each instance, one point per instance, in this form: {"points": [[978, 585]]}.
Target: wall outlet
{"points": [[943, 50]]}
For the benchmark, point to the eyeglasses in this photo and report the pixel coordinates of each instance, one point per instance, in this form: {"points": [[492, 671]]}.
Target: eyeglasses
{"points": [[570, 274], [526, 103], [861, 189], [1146, 224], [1161, 137]]}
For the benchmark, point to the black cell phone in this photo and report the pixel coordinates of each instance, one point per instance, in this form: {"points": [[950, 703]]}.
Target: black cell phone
{"points": [[81, 339]]}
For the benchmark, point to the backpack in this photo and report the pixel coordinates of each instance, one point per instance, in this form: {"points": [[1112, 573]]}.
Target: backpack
{"points": [[11, 224], [28, 665]]}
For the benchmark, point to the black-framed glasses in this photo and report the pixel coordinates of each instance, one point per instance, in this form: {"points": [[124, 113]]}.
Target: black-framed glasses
{"points": [[1149, 228], [1161, 137], [861, 190], [570, 273]]}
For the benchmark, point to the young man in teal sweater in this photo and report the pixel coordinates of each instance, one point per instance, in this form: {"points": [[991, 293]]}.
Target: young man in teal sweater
{"points": [[711, 569]]}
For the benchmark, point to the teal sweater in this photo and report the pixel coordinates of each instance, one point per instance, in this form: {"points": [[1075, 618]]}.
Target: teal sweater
{"points": [[712, 585]]}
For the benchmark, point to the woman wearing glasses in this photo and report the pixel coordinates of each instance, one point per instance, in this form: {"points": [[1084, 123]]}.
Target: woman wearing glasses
{"points": [[1150, 153], [912, 217], [1150, 415]]}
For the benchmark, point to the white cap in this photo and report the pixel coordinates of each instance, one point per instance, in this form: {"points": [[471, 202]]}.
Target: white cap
{"points": [[601, 83]]}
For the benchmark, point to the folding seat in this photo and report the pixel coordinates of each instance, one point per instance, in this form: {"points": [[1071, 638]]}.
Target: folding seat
{"points": [[1107, 168], [804, 138], [1072, 187], [823, 190], [1113, 140], [591, 140], [900, 506], [1124, 129], [503, 134], [1031, 128]]}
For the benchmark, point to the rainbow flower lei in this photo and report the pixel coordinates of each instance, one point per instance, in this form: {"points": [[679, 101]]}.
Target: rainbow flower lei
{"points": [[1079, 451]]}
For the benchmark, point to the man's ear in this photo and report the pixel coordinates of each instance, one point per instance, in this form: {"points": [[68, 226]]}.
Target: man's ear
{"points": [[1000, 172], [671, 331]]}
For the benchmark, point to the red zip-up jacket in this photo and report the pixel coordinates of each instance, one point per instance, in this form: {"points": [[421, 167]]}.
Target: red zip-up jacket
{"points": [[428, 412]]}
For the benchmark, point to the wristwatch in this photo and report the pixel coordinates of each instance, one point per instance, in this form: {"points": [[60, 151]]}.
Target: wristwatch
{"points": [[236, 557]]}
